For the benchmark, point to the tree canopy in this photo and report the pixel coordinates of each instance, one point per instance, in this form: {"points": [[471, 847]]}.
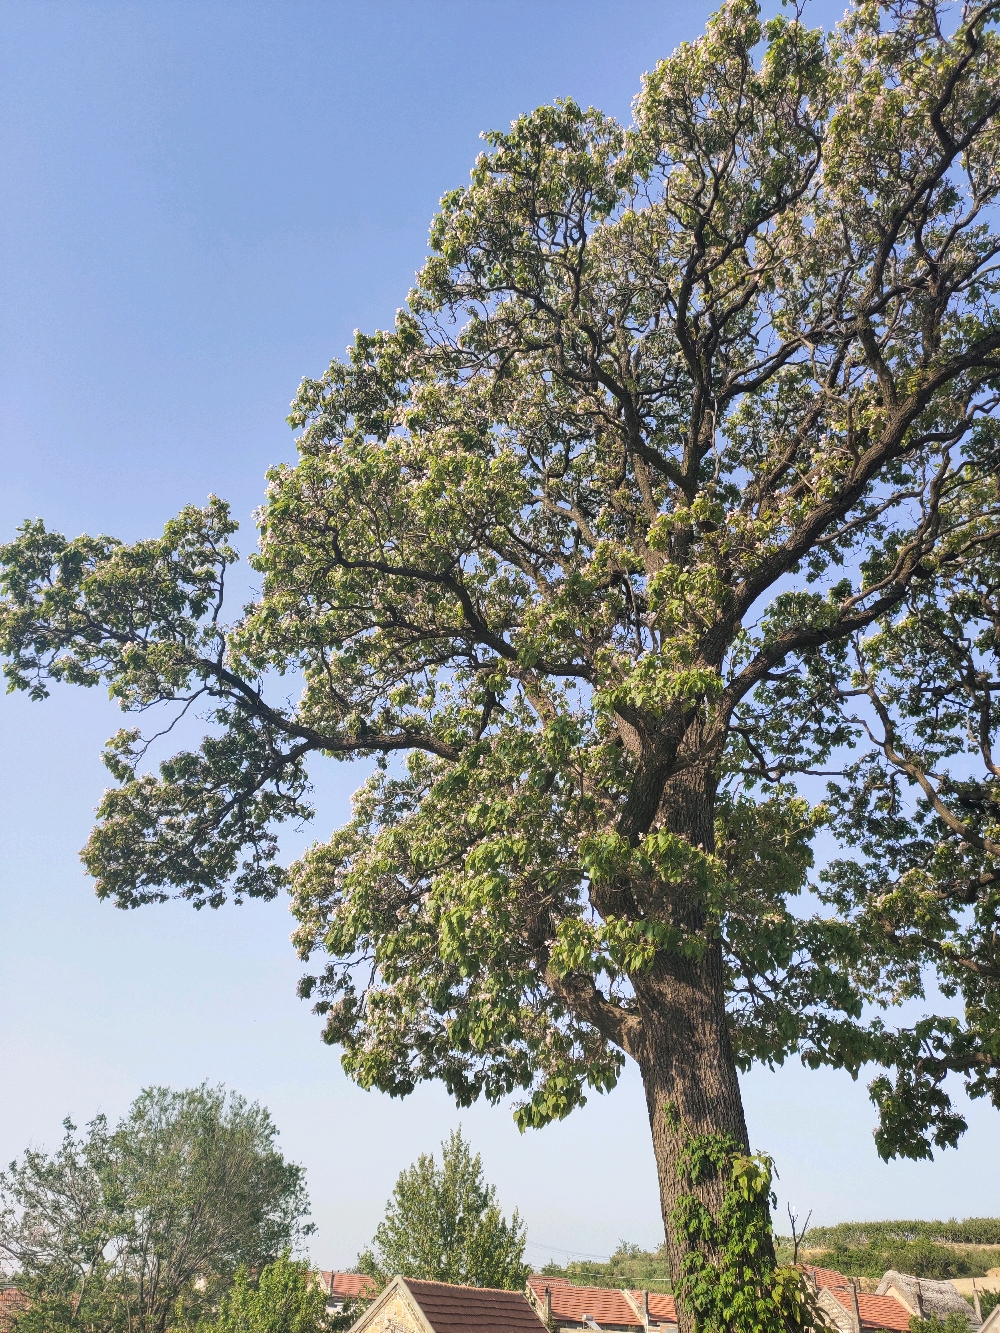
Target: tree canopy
{"points": [[671, 495], [281, 1298], [443, 1223], [131, 1229]]}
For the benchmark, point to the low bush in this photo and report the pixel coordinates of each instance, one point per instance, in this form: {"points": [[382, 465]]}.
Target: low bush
{"points": [[629, 1266], [922, 1258]]}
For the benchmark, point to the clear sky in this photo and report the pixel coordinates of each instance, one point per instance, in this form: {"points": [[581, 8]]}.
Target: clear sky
{"points": [[198, 203]]}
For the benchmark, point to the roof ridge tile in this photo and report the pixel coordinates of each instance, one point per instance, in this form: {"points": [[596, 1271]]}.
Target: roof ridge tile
{"points": [[462, 1286]]}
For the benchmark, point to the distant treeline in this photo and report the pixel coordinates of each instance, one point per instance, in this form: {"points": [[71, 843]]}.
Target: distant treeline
{"points": [[629, 1266], [852, 1235]]}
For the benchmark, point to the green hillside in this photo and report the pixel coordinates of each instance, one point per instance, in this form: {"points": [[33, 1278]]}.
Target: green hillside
{"points": [[973, 1231], [629, 1266], [927, 1249], [859, 1249]]}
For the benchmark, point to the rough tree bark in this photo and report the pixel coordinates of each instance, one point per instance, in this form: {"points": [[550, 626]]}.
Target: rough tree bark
{"points": [[682, 1043], [690, 1080]]}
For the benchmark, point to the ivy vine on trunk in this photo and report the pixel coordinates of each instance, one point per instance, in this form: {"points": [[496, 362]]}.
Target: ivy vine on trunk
{"points": [[727, 1277]]}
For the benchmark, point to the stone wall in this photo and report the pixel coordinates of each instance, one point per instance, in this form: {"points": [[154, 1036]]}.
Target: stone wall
{"points": [[394, 1317]]}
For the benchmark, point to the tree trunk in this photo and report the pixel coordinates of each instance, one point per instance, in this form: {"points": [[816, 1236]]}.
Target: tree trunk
{"points": [[686, 1061], [683, 1047]]}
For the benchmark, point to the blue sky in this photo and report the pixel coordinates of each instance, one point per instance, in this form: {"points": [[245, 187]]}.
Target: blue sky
{"points": [[200, 202]]}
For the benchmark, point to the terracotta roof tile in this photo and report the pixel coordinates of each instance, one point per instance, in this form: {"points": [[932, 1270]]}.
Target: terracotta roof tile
{"points": [[827, 1277], [572, 1304], [662, 1309], [452, 1309], [11, 1300], [345, 1285], [883, 1312], [351, 1285]]}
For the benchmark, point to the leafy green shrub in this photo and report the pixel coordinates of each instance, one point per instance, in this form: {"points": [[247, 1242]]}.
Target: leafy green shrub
{"points": [[281, 1300], [954, 1323], [922, 1258]]}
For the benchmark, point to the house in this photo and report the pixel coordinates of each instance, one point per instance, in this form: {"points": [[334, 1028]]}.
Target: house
{"points": [[411, 1306], [564, 1306], [554, 1305], [11, 1302], [657, 1310], [889, 1308], [926, 1298], [343, 1287]]}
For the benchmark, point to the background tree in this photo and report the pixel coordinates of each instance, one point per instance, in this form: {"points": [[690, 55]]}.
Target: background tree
{"points": [[675, 481], [283, 1299], [443, 1223], [135, 1227]]}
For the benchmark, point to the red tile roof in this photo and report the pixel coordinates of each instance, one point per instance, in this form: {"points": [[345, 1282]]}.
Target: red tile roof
{"points": [[11, 1300], [882, 1312], [346, 1285], [662, 1309], [452, 1309], [607, 1306], [351, 1285], [572, 1304], [826, 1277], [879, 1312]]}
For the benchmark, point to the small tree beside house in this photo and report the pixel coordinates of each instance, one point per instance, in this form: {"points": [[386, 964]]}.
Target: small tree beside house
{"points": [[444, 1223]]}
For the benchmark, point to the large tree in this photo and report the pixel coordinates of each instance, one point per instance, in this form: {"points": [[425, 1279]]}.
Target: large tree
{"points": [[675, 482], [137, 1227]]}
